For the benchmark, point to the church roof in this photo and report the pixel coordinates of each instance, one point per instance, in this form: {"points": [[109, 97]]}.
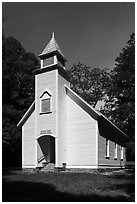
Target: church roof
{"points": [[88, 108], [26, 115], [52, 46]]}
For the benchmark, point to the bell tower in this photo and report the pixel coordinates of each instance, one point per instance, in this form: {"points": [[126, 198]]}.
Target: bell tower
{"points": [[50, 105], [52, 55]]}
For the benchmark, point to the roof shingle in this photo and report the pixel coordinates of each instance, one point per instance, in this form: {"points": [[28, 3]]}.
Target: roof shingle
{"points": [[51, 47]]}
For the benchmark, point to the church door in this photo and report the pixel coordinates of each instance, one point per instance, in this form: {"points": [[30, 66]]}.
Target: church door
{"points": [[46, 150]]}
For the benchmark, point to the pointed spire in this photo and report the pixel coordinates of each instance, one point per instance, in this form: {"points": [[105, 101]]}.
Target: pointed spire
{"points": [[51, 47], [53, 35]]}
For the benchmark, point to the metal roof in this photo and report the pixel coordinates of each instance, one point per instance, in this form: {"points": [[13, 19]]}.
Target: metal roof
{"points": [[51, 47]]}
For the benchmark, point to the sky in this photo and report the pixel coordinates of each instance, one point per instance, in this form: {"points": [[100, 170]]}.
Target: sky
{"points": [[93, 33]]}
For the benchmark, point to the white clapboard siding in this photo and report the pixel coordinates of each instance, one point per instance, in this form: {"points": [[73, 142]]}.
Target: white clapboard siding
{"points": [[28, 142], [61, 121], [111, 162], [45, 82], [81, 136]]}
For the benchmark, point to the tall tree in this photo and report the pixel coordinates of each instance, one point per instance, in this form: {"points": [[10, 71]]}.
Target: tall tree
{"points": [[89, 83], [17, 93], [120, 106]]}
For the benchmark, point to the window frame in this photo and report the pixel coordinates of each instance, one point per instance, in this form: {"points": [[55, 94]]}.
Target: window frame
{"points": [[49, 60], [107, 149], [115, 151], [44, 96], [122, 153]]}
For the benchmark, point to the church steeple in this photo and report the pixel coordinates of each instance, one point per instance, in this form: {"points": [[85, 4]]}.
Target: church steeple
{"points": [[52, 54]]}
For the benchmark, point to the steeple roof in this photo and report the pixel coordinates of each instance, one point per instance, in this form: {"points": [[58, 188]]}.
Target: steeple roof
{"points": [[51, 47]]}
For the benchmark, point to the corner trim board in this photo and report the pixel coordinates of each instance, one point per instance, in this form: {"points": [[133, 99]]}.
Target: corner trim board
{"points": [[56, 139]]}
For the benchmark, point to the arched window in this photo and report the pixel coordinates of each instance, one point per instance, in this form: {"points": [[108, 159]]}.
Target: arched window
{"points": [[45, 103]]}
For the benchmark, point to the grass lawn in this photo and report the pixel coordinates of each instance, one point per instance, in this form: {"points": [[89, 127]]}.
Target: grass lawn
{"points": [[60, 186]]}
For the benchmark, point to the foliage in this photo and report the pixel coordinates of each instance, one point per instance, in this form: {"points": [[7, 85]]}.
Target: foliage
{"points": [[89, 83], [17, 92], [120, 106], [116, 89]]}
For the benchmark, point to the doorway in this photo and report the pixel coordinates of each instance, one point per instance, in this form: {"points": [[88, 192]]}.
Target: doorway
{"points": [[46, 149]]}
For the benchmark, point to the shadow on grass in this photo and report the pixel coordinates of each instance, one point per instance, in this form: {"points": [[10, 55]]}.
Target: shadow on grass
{"points": [[21, 191], [128, 174], [128, 189], [7, 172]]}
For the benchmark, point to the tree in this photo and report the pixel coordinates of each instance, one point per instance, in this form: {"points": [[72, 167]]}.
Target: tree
{"points": [[17, 94], [120, 106], [116, 88], [89, 83]]}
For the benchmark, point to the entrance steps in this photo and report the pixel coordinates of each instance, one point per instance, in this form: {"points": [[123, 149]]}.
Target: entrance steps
{"points": [[48, 166]]}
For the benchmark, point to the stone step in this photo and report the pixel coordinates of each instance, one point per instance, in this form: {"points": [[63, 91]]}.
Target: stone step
{"points": [[48, 166]]}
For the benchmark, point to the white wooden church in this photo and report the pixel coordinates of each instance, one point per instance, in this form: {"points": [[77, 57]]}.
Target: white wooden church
{"points": [[61, 128]]}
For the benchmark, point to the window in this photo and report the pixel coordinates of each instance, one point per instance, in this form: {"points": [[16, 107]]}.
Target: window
{"points": [[107, 148], [48, 61], [115, 151], [45, 103], [122, 153]]}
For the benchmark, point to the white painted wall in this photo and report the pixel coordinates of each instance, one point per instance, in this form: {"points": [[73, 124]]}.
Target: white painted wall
{"points": [[45, 82], [81, 136], [61, 120], [28, 142]]}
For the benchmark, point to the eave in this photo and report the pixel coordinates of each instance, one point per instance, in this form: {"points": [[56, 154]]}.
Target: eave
{"points": [[89, 109], [26, 115]]}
